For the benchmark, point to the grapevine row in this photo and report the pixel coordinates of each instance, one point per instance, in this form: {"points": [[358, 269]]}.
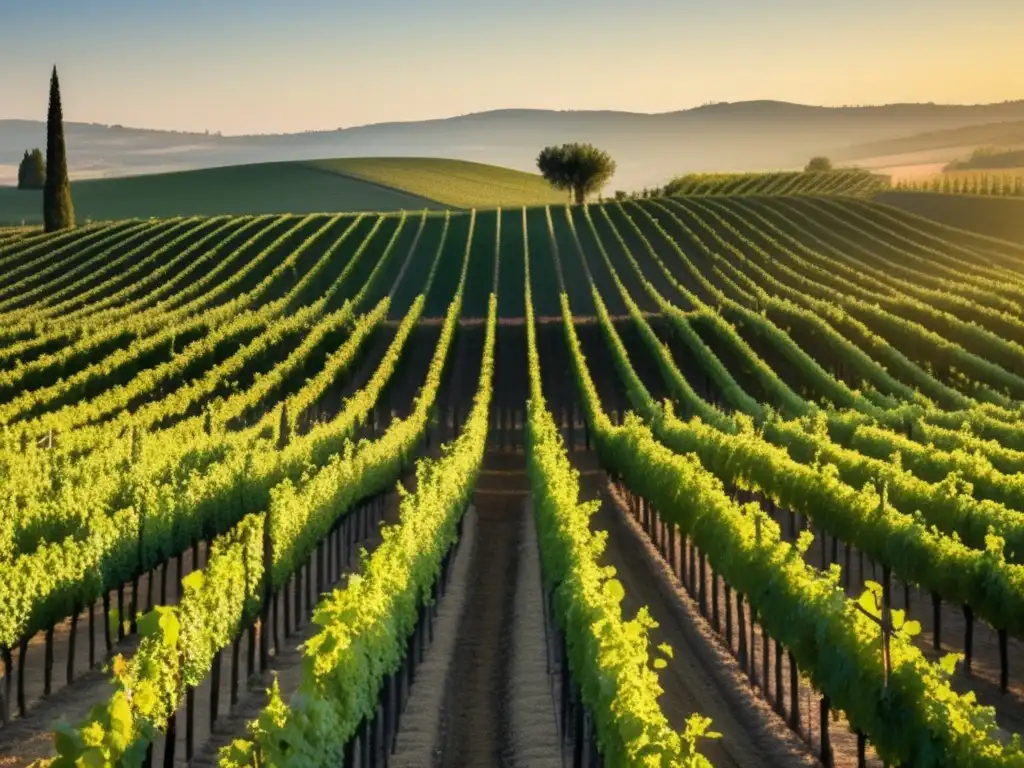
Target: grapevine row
{"points": [[827, 637], [608, 655], [40, 589]]}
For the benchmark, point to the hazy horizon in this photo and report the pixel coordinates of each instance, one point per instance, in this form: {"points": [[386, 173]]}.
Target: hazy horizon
{"points": [[314, 66], [521, 108]]}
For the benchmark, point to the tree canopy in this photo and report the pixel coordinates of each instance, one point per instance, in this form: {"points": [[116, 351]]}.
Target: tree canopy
{"points": [[32, 171], [582, 169], [819, 163], [58, 210]]}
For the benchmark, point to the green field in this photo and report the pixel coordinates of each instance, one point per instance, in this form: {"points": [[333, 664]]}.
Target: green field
{"points": [[353, 184], [453, 183]]}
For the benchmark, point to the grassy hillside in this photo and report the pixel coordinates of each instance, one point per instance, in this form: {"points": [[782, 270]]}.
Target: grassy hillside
{"points": [[454, 183], [364, 184]]}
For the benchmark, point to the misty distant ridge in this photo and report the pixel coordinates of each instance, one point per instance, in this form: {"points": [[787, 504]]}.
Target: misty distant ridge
{"points": [[649, 148]]}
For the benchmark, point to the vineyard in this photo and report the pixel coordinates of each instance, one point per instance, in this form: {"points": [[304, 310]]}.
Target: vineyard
{"points": [[969, 182], [845, 182], [714, 479]]}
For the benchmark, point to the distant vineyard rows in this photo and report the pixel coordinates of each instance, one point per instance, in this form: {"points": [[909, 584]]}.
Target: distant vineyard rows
{"points": [[852, 182], [968, 183]]}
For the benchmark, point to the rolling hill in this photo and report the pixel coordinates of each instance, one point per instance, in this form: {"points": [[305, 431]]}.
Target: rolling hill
{"points": [[1001, 134], [350, 184], [649, 148], [453, 183]]}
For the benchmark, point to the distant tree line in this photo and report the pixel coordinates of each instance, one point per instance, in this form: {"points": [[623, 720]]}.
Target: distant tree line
{"points": [[646, 192], [989, 158]]}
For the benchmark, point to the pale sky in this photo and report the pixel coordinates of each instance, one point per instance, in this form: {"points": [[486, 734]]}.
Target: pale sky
{"points": [[263, 66]]}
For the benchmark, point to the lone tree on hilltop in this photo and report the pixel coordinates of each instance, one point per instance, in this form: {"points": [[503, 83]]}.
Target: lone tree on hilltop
{"points": [[582, 169], [819, 163], [32, 171], [58, 210]]}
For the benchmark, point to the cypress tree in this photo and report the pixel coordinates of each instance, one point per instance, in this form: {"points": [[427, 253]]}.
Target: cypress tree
{"points": [[58, 210], [32, 171], [38, 165]]}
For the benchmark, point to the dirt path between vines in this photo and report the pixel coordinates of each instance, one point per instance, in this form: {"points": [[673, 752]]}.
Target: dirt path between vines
{"points": [[483, 696], [475, 727], [416, 740], [702, 676]]}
